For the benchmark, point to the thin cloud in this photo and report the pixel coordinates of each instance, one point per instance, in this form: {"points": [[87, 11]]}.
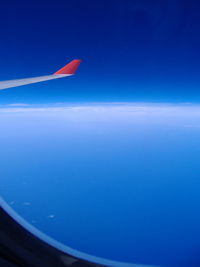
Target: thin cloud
{"points": [[157, 109], [18, 105]]}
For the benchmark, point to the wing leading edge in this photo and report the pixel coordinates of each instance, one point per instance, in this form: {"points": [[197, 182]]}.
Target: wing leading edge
{"points": [[68, 70]]}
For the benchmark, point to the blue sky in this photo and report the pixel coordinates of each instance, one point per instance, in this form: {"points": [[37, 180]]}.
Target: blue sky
{"points": [[132, 50]]}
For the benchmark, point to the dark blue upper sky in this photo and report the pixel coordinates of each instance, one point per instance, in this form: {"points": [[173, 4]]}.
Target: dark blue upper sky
{"points": [[132, 50]]}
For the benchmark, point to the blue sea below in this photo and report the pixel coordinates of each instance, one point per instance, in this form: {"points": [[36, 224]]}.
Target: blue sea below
{"points": [[119, 181]]}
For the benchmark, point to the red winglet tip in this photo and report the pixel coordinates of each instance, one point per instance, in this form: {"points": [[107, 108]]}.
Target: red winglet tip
{"points": [[70, 68]]}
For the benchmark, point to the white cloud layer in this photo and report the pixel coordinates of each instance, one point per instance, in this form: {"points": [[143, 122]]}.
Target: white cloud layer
{"points": [[132, 108]]}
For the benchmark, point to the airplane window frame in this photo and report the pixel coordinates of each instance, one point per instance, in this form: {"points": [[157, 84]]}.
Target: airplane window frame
{"points": [[21, 244]]}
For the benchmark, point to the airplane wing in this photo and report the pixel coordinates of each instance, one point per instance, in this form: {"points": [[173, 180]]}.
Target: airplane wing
{"points": [[67, 70]]}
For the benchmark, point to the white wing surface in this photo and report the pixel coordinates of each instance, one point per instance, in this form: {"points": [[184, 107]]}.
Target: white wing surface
{"points": [[67, 70]]}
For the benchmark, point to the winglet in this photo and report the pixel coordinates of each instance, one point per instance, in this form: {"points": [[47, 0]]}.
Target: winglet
{"points": [[70, 68]]}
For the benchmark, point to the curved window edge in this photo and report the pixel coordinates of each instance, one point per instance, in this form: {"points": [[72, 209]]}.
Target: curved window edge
{"points": [[21, 244]]}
